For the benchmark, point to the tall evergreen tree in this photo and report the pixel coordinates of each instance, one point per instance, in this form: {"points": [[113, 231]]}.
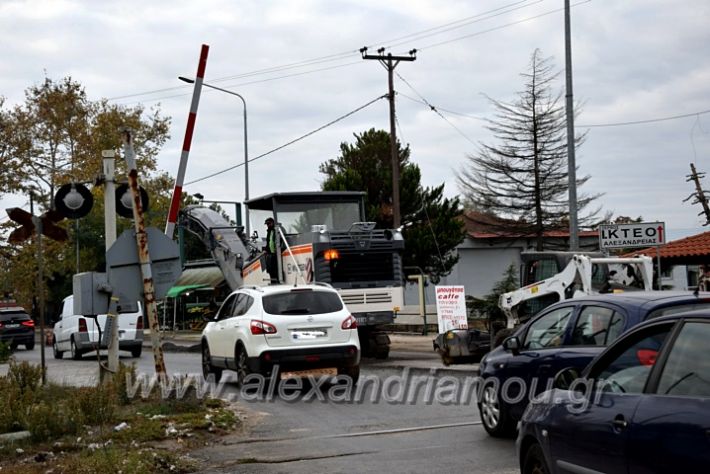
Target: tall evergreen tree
{"points": [[523, 178], [433, 227]]}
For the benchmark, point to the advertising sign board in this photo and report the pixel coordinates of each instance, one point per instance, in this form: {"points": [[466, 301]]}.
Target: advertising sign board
{"points": [[451, 308]]}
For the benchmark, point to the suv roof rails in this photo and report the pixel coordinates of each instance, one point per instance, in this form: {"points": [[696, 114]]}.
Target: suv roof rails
{"points": [[322, 283], [251, 287]]}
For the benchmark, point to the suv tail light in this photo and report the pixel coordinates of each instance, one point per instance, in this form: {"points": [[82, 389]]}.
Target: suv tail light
{"points": [[349, 323], [82, 325], [260, 327], [647, 356], [29, 324], [139, 323]]}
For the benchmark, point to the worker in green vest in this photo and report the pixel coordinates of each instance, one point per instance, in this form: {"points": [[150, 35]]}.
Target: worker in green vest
{"points": [[270, 249]]}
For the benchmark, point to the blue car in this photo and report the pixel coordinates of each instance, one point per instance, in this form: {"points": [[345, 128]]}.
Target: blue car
{"points": [[567, 334], [649, 416]]}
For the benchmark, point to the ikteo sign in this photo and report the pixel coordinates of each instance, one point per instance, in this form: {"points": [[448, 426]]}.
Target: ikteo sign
{"points": [[451, 308], [642, 234]]}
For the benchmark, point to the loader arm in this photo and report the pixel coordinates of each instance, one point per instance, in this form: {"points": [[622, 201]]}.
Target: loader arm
{"points": [[223, 241], [576, 280]]}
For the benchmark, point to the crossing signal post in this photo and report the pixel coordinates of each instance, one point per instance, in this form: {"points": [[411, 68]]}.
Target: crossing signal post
{"points": [[42, 225]]}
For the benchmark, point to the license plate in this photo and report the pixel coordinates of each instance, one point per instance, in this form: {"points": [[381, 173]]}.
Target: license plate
{"points": [[12, 326], [312, 372], [308, 335]]}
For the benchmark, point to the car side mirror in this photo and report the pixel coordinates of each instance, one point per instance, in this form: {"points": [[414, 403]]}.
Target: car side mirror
{"points": [[512, 344], [565, 378]]}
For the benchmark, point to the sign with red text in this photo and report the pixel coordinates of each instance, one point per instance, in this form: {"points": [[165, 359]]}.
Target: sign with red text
{"points": [[451, 308], [639, 234]]}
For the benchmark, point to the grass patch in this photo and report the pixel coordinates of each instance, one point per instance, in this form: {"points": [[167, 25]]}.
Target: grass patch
{"points": [[100, 429], [5, 352]]}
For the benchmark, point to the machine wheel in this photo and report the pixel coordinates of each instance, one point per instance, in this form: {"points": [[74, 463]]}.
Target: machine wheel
{"points": [[30, 345], [207, 367], [534, 462], [352, 372], [494, 416], [136, 352], [13, 346], [75, 354], [242, 366], [382, 351], [57, 353]]}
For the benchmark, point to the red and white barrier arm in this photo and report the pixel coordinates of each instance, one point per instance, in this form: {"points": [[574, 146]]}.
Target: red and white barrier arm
{"points": [[177, 192]]}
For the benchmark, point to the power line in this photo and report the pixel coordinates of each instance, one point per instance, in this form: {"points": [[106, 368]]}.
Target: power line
{"points": [[436, 111], [599, 125], [343, 55], [490, 30], [342, 117], [462, 23], [250, 82], [638, 122]]}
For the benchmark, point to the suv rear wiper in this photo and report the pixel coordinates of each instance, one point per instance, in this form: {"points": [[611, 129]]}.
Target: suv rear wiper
{"points": [[296, 311]]}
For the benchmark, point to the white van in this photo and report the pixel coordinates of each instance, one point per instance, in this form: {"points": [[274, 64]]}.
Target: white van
{"points": [[79, 334]]}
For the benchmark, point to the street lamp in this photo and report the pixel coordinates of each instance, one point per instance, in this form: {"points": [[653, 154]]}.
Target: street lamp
{"points": [[246, 152]]}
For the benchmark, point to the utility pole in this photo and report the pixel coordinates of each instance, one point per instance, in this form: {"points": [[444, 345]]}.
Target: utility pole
{"points": [[699, 194], [390, 62], [571, 164]]}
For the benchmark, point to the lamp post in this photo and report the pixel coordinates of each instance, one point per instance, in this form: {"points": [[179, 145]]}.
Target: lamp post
{"points": [[246, 150]]}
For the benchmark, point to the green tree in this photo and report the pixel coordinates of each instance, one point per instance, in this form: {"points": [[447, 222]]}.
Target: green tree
{"points": [[487, 306], [55, 137], [433, 227], [523, 178]]}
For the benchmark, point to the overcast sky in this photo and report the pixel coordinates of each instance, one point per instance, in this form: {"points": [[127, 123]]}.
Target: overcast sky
{"points": [[632, 60]]}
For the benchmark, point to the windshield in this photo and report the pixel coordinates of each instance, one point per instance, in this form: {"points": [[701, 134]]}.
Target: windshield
{"points": [[300, 217], [302, 302], [13, 316]]}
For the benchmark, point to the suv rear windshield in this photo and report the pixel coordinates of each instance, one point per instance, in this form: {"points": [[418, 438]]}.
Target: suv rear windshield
{"points": [[302, 302], [13, 315]]}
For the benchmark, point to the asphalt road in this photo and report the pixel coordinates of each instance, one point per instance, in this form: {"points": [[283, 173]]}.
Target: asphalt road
{"points": [[398, 421]]}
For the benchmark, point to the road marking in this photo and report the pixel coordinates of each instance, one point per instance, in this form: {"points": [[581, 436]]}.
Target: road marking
{"points": [[356, 434]]}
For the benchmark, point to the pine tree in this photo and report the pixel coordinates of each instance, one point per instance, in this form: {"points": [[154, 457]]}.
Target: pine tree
{"points": [[523, 178]]}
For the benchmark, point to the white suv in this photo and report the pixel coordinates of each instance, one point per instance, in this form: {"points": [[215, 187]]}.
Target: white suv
{"points": [[304, 330]]}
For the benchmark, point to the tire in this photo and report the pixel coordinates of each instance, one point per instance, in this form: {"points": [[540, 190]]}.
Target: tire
{"points": [[534, 461], [137, 351], [243, 371], [75, 353], [13, 346], [494, 416], [57, 353], [207, 367], [352, 372], [30, 345]]}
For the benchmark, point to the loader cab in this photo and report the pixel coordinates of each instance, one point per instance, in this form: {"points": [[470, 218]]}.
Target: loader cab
{"points": [[538, 266]]}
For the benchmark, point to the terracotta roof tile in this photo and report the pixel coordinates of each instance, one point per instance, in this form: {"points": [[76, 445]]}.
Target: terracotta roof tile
{"points": [[485, 226], [693, 246]]}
